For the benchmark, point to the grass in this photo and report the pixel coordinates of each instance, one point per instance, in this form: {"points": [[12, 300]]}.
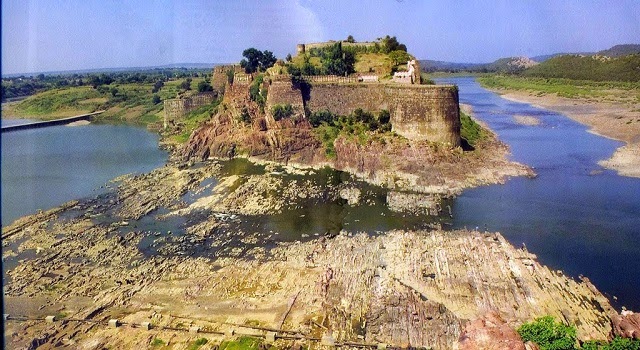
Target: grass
{"points": [[196, 344], [132, 103], [193, 120], [374, 63], [470, 130], [243, 343], [579, 89], [157, 342]]}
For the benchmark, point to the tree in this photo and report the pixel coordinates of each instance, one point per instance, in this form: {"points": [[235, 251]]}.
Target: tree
{"points": [[391, 44], [157, 86], [114, 92], [350, 39], [156, 99], [288, 58], [186, 84], [204, 86], [268, 60], [399, 56], [251, 63], [255, 60], [337, 61]]}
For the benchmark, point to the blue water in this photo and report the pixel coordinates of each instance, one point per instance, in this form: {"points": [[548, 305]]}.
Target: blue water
{"points": [[43, 168], [574, 215]]}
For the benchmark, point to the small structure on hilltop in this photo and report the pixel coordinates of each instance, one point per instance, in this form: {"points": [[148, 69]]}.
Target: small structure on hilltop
{"points": [[408, 77]]}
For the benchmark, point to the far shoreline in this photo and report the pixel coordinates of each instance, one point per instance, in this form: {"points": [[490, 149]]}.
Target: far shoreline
{"points": [[603, 119]]}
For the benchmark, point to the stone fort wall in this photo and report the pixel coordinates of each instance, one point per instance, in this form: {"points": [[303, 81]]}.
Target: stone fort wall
{"points": [[418, 112], [179, 107]]}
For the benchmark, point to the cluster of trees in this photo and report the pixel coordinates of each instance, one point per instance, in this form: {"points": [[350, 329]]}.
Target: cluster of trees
{"points": [[334, 59], [21, 86], [255, 60], [381, 122]]}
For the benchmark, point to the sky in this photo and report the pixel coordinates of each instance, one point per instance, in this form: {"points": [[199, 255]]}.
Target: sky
{"points": [[45, 35]]}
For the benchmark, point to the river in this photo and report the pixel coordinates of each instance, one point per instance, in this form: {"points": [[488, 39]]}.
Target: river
{"points": [[43, 168], [575, 215]]}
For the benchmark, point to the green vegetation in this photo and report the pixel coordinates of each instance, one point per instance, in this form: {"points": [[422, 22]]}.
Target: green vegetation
{"points": [[607, 90], [471, 131], [548, 334], [255, 60], [551, 335], [195, 345], [281, 111], [359, 125], [194, 119], [243, 343], [157, 342], [596, 68], [256, 92], [616, 344], [21, 86]]}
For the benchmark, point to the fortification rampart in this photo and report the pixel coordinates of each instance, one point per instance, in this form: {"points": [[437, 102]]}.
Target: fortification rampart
{"points": [[220, 78], [179, 107], [418, 112]]}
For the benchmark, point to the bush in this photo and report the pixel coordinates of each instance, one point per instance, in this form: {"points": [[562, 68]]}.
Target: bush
{"points": [[281, 111], [317, 118], [548, 334]]}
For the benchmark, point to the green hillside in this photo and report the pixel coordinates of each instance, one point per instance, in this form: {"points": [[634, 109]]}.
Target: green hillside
{"points": [[596, 68]]}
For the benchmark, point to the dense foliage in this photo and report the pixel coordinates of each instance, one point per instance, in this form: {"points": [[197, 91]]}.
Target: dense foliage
{"points": [[255, 60], [281, 111], [360, 125], [549, 334], [256, 92]]}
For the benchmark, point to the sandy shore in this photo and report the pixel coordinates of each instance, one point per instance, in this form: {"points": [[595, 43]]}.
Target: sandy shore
{"points": [[615, 120]]}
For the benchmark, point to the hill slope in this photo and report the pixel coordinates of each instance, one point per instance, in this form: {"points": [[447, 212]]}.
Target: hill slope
{"points": [[597, 68]]}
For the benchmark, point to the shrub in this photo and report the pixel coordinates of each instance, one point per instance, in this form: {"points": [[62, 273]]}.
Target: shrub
{"points": [[281, 111], [548, 334]]}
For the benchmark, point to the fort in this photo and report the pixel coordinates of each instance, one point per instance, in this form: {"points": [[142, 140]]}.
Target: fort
{"points": [[418, 112]]}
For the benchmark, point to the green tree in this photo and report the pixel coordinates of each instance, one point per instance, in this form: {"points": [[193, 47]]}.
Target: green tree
{"points": [[350, 39], [186, 84], [251, 61], [288, 58], [337, 61], [399, 57], [391, 44], [204, 86], [548, 334], [114, 92], [157, 86], [156, 99], [268, 60]]}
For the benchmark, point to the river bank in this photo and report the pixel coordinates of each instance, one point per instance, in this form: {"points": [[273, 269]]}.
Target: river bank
{"points": [[618, 120], [174, 248]]}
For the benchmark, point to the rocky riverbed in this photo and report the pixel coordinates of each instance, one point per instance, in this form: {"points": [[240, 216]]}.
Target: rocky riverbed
{"points": [[179, 247]]}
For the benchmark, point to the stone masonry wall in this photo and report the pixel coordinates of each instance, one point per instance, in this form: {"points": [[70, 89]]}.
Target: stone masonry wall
{"points": [[283, 92], [178, 108], [418, 112]]}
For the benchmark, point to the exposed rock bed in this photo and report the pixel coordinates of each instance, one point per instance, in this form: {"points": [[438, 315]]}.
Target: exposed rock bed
{"points": [[100, 259]]}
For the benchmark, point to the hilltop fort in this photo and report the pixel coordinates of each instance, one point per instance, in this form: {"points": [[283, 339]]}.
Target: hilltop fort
{"points": [[359, 107]]}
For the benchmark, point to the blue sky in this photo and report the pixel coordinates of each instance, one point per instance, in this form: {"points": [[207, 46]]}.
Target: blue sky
{"points": [[44, 35]]}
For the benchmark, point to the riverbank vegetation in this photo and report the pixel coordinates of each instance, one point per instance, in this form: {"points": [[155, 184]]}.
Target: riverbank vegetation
{"points": [[134, 97], [619, 91], [552, 335]]}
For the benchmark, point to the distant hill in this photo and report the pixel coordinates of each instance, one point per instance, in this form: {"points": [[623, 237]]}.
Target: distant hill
{"points": [[615, 51], [621, 50], [593, 67], [503, 65]]}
